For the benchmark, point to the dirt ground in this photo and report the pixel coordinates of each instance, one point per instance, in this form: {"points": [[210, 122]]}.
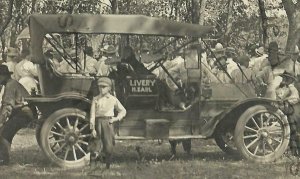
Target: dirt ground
{"points": [[206, 161]]}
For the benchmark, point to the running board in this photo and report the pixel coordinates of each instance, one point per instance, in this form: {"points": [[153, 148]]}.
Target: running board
{"points": [[171, 138]]}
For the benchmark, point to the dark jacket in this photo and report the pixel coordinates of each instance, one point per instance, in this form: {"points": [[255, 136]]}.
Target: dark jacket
{"points": [[13, 97]]}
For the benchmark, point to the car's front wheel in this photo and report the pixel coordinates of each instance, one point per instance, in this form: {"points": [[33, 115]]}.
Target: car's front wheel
{"points": [[64, 138], [262, 133]]}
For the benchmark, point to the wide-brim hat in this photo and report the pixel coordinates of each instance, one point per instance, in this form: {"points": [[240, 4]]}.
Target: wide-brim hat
{"points": [[109, 49], [4, 70], [12, 52], [260, 51], [288, 75], [219, 51], [104, 81]]}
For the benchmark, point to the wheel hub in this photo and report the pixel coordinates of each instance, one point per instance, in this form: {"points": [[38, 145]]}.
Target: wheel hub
{"points": [[71, 138], [262, 133]]}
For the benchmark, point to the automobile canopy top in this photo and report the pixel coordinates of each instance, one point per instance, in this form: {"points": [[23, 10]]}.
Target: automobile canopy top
{"points": [[41, 24]]}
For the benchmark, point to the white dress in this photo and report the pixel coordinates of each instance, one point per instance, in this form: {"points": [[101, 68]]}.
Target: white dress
{"points": [[25, 71]]}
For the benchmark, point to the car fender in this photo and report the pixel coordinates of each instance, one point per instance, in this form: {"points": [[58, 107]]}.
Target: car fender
{"points": [[232, 114], [48, 104]]}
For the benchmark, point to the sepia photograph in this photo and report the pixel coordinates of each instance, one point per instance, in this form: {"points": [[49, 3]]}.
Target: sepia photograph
{"points": [[171, 89]]}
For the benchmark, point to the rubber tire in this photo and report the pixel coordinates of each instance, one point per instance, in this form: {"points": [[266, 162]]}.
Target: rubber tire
{"points": [[220, 131], [38, 129], [239, 133], [47, 125]]}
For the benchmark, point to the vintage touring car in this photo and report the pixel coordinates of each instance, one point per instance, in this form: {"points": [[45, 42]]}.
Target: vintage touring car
{"points": [[230, 113]]}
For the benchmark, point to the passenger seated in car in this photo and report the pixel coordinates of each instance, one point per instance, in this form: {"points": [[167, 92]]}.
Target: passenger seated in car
{"points": [[65, 67], [244, 74], [88, 64], [219, 68], [108, 62], [130, 58], [174, 90]]}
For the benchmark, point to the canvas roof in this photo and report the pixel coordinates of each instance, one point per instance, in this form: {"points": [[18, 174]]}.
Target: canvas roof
{"points": [[41, 24]]}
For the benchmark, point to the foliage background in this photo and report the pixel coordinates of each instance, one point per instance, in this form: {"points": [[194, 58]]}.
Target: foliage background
{"points": [[238, 23]]}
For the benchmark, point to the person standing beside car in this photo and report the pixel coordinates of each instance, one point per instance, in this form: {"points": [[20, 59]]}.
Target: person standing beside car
{"points": [[26, 71], [12, 59], [102, 116], [14, 113]]}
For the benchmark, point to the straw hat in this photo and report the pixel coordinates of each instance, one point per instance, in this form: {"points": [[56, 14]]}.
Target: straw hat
{"points": [[260, 51], [219, 46], [219, 50]]}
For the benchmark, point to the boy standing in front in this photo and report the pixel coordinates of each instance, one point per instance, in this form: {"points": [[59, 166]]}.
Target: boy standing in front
{"points": [[102, 116]]}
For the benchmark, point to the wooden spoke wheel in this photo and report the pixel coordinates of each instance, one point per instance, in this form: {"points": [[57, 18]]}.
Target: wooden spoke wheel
{"points": [[262, 134], [64, 138]]}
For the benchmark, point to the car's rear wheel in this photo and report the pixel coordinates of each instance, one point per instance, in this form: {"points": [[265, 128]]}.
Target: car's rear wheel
{"points": [[262, 134], [64, 138]]}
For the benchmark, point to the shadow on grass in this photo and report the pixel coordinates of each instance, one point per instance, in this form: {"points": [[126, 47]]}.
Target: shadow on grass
{"points": [[124, 152], [162, 153]]}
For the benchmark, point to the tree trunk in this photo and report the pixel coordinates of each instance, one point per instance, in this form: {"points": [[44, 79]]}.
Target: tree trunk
{"points": [[33, 6], [195, 11], [228, 21], [201, 11], [293, 13], [264, 23], [9, 17], [114, 6], [3, 48]]}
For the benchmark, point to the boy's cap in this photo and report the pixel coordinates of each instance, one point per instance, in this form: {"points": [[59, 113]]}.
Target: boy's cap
{"points": [[104, 81]]}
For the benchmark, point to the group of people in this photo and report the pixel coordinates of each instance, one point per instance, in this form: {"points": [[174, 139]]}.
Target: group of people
{"points": [[268, 69], [107, 64], [22, 69], [18, 80], [270, 73]]}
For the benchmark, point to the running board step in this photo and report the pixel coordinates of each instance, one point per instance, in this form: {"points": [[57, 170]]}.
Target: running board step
{"points": [[171, 137]]}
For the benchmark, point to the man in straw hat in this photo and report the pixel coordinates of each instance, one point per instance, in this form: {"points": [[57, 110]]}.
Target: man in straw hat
{"points": [[219, 70], [12, 60], [258, 61], [102, 116], [108, 61], [14, 115]]}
